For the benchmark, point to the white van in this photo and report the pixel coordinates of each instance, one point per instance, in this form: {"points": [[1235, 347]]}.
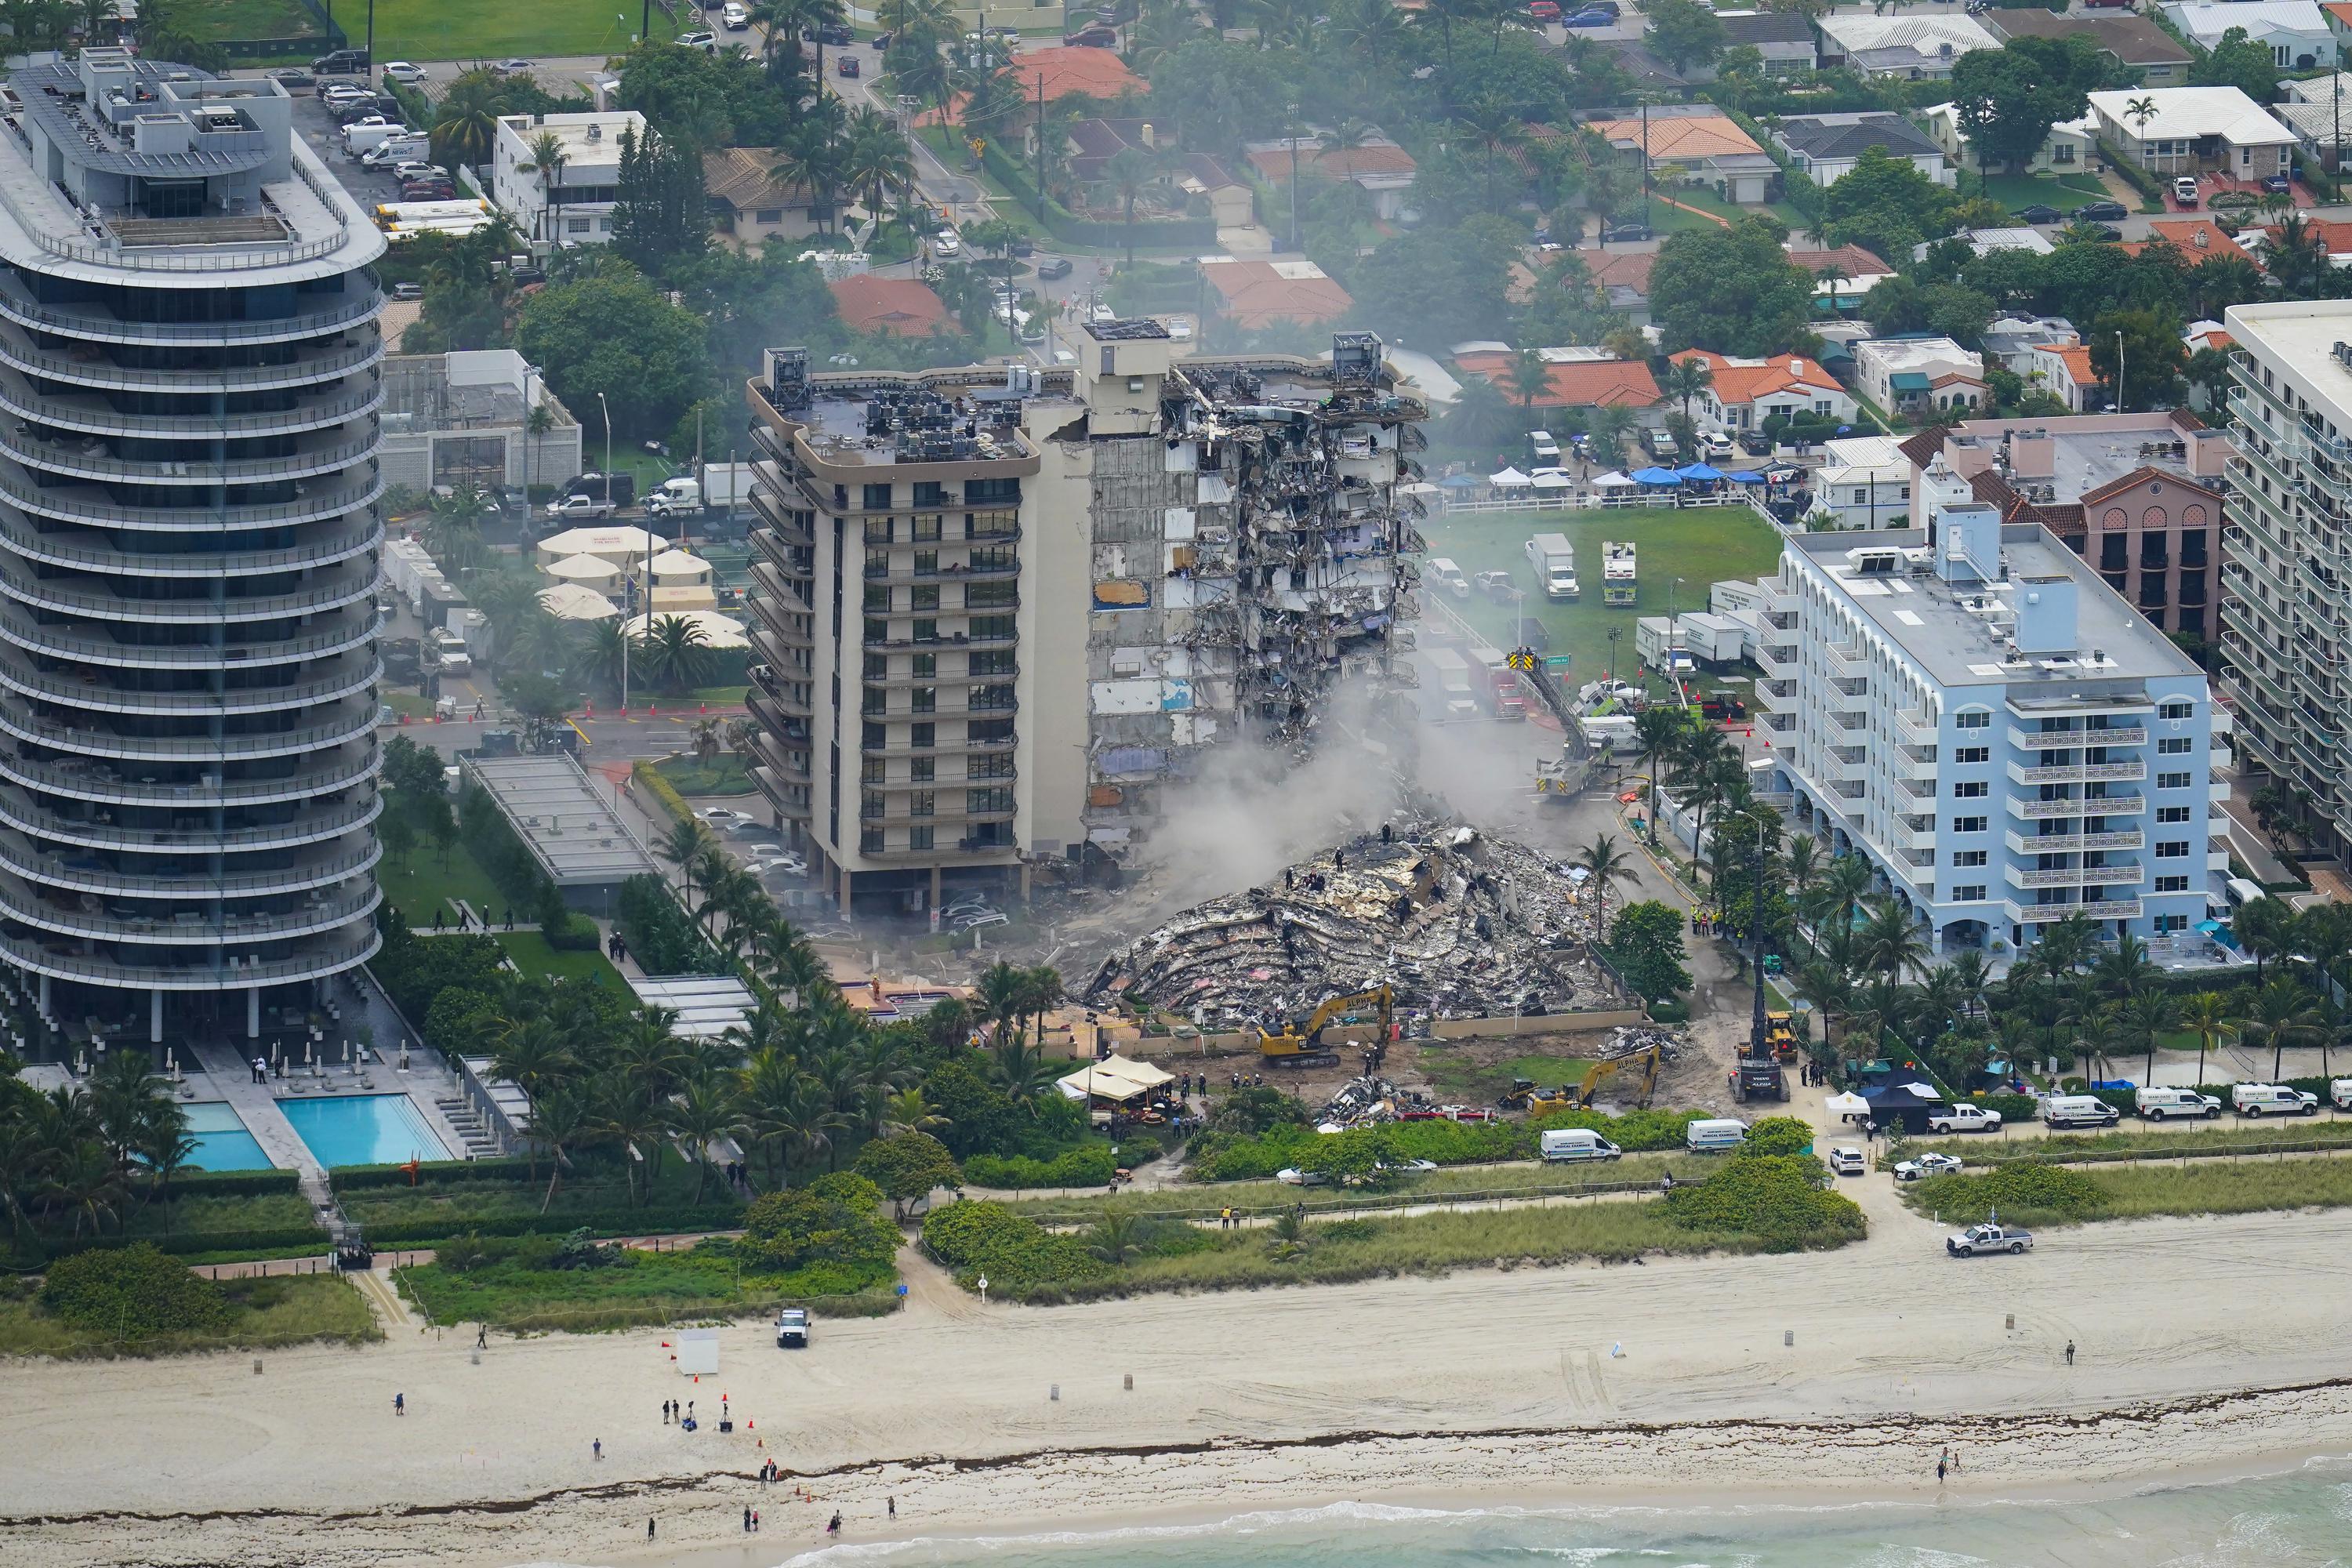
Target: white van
{"points": [[2079, 1111], [2340, 1092], [1576, 1144], [1437, 569], [1714, 1136], [2271, 1099], [2156, 1104]]}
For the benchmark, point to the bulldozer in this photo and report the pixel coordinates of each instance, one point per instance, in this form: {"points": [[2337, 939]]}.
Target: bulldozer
{"points": [[1299, 1044], [1780, 1036], [1523, 1095]]}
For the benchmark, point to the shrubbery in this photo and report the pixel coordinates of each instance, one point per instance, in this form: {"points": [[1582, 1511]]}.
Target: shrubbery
{"points": [[1779, 1135], [1779, 1198], [1224, 1157], [2025, 1190], [984, 1238], [660, 937], [131, 1292], [834, 1219], [574, 933], [1091, 1165]]}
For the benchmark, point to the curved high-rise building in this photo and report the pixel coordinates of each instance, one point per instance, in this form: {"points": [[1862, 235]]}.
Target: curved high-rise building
{"points": [[189, 529]]}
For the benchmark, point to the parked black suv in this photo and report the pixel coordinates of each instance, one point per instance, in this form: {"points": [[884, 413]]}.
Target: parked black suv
{"points": [[1617, 231], [340, 62]]}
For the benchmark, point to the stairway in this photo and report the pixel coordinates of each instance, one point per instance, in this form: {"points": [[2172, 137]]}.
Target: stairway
{"points": [[466, 1121]]}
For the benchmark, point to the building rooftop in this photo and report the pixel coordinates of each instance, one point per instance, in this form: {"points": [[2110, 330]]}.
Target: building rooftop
{"points": [[1256, 293], [1921, 353], [2190, 113], [902, 307], [2134, 40], [2300, 335], [590, 141], [1572, 383], [879, 421], [1851, 135], [2209, 19], [1929, 37], [1764, 27], [569, 829], [482, 389], [744, 178], [1710, 134], [1954, 630]]}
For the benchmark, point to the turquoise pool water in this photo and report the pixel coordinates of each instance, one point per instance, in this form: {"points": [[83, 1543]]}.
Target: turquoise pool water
{"points": [[363, 1130], [221, 1141]]}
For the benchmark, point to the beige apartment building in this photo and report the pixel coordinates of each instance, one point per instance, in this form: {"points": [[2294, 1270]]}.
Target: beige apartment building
{"points": [[1000, 611]]}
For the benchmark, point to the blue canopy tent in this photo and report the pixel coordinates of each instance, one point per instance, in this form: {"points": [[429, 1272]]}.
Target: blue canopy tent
{"points": [[1747, 476], [1700, 471], [1656, 476]]}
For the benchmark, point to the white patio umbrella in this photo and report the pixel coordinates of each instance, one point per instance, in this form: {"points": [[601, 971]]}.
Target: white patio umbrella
{"points": [[1848, 1104]]}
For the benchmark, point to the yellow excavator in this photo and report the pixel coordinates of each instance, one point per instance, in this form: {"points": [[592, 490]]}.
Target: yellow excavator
{"points": [[1298, 1043], [1644, 1061], [1525, 1096]]}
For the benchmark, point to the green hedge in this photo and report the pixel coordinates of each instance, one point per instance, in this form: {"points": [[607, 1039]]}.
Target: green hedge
{"points": [[576, 933], [661, 937], [233, 1183], [665, 793], [288, 1240], [596, 1222], [982, 1239], [1159, 233], [352, 1178], [1092, 1167], [2150, 187]]}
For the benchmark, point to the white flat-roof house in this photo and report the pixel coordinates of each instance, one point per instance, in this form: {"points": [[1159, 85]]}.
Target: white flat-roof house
{"points": [[2294, 31], [1911, 375], [586, 178], [2196, 129]]}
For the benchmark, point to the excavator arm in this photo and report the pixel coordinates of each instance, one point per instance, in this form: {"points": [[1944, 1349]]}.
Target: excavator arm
{"points": [[1296, 1043]]}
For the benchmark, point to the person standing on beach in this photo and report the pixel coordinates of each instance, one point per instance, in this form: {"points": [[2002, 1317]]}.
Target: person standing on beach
{"points": [[894, 1507], [2070, 1352], [649, 1530], [747, 1519], [1939, 1472], [400, 1404], [598, 1448], [834, 1527]]}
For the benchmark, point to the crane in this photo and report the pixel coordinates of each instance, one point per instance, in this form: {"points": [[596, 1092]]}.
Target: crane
{"points": [[1298, 1042]]}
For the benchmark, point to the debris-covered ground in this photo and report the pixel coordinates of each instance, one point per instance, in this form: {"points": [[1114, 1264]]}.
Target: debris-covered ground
{"points": [[1462, 923]]}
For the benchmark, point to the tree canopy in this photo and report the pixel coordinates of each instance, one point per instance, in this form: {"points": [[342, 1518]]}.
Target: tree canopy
{"points": [[1731, 289], [2009, 97]]}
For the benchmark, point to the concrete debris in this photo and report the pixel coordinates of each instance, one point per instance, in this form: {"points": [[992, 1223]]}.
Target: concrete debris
{"points": [[1462, 923], [1365, 1101], [1634, 1038]]}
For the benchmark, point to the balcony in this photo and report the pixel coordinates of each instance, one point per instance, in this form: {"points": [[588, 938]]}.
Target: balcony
{"points": [[90, 459], [1917, 727], [99, 831], [948, 748], [190, 928], [794, 559], [950, 852], [1905, 766], [90, 692], [774, 708], [83, 874], [60, 549], [82, 596], [355, 722], [1837, 698], [94, 415], [313, 364], [2068, 875], [2071, 843], [72, 961], [953, 572], [81, 778], [790, 801], [2041, 914], [360, 304], [74, 640], [1846, 660], [2026, 740], [1777, 663], [947, 642], [91, 506], [2079, 772], [942, 677], [1781, 696]]}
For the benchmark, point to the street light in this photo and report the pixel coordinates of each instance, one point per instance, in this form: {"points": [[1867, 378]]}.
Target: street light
{"points": [[628, 592]]}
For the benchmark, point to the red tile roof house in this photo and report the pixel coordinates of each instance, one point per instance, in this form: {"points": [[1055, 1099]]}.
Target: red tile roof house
{"points": [[900, 306], [1253, 294], [1058, 73], [1571, 383], [1379, 168], [1744, 393]]}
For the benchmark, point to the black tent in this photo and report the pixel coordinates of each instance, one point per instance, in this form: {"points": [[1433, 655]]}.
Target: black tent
{"points": [[1900, 1102]]}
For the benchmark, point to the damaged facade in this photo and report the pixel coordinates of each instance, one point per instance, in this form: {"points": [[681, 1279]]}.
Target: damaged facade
{"points": [[998, 610], [1461, 923]]}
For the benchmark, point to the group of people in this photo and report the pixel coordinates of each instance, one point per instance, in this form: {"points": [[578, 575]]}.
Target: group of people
{"points": [[681, 1414], [1815, 1075], [614, 948]]}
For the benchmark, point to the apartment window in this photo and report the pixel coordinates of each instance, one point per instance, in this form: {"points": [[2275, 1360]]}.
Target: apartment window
{"points": [[983, 731], [988, 626], [1860, 495], [878, 562], [920, 803], [876, 497], [927, 631], [869, 802], [931, 492], [990, 596], [995, 558], [869, 772], [992, 492], [878, 665], [2167, 924], [877, 531], [869, 841], [926, 666], [1972, 754], [877, 629], [926, 596], [2176, 745], [2193, 620], [768, 216], [2192, 547], [578, 225], [922, 770], [918, 837], [1966, 857], [979, 801], [996, 765], [2172, 849], [1968, 825], [877, 599], [2166, 815], [874, 736], [2153, 556], [923, 735], [2172, 781], [1977, 719], [2173, 884], [926, 700], [927, 563], [998, 661], [1968, 892], [991, 698], [2175, 710], [1972, 789], [927, 529]]}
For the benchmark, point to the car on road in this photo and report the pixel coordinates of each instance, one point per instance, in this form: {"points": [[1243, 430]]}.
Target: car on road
{"points": [[513, 67], [1987, 1237], [847, 65], [1621, 231], [2184, 190], [947, 242], [2099, 212], [1093, 36], [734, 17], [717, 814], [793, 1329], [704, 40], [1054, 267], [403, 72], [1847, 1160], [1589, 18], [1964, 1117], [1927, 1165], [839, 35], [340, 62], [293, 78], [2037, 213]]}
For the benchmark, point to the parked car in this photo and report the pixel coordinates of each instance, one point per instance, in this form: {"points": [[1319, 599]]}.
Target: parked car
{"points": [[2184, 190], [982, 919], [2099, 212], [1846, 1159], [717, 816], [1054, 267], [403, 72], [847, 65], [1964, 1117], [1589, 18], [1926, 1165], [1623, 231], [429, 191], [734, 17], [2158, 1103], [408, 291], [2277, 184], [698, 40], [340, 62], [840, 35], [419, 171], [292, 78], [1094, 35], [2271, 1099], [1298, 1178], [2037, 213], [1544, 10], [1987, 1238]]}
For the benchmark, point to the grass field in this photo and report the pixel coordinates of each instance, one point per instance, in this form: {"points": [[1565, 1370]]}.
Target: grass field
{"points": [[2014, 191], [1457, 1072], [533, 956], [2060, 1197], [223, 20], [464, 30], [689, 777], [277, 1312], [1700, 544], [423, 886], [1668, 220]]}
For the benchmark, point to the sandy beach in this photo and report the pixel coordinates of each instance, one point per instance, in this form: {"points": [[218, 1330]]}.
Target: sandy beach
{"points": [[2205, 1346]]}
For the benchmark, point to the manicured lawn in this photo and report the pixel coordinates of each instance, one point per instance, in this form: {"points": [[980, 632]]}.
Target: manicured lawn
{"points": [[408, 704], [467, 30], [274, 1311], [2014, 191], [690, 777], [423, 885], [717, 696], [1701, 545], [218, 21], [1699, 197], [533, 956]]}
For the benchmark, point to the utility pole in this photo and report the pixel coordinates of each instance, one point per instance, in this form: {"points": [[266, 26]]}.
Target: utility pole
{"points": [[1756, 927], [1294, 176], [2119, 369], [628, 589], [371, 41], [1645, 161], [1039, 162]]}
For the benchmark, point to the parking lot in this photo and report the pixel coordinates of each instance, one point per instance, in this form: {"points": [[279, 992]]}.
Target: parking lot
{"points": [[316, 126]]}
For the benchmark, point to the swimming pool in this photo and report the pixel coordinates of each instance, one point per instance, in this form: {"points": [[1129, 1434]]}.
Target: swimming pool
{"points": [[363, 1129], [221, 1141]]}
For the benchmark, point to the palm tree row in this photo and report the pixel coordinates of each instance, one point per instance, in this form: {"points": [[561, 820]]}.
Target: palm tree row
{"points": [[88, 1154]]}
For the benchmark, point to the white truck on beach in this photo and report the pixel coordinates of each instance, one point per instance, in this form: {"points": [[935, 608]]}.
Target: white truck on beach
{"points": [[1987, 1237], [1617, 586], [793, 1329]]}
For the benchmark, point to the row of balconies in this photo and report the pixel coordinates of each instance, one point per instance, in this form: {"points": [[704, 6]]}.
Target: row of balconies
{"points": [[2026, 740], [60, 549], [2069, 875], [790, 799], [350, 721], [91, 505], [2071, 843], [2101, 909], [335, 405], [249, 966], [327, 592], [74, 640], [85, 778], [321, 453], [316, 913], [332, 864], [2097, 805], [312, 363], [2080, 773], [89, 690], [359, 302], [97, 829]]}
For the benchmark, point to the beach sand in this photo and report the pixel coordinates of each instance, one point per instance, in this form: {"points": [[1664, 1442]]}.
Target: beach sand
{"points": [[2206, 1346]]}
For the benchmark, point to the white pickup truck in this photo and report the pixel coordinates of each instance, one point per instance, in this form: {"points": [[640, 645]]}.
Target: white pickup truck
{"points": [[1987, 1238], [1964, 1117]]}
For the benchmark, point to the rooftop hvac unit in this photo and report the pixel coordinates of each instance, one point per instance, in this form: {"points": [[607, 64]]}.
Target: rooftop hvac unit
{"points": [[2342, 352]]}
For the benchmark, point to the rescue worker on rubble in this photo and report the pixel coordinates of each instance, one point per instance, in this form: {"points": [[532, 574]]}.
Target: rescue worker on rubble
{"points": [[1388, 833]]}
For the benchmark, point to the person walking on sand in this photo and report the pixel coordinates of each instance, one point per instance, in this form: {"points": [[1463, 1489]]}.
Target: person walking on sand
{"points": [[400, 1404], [649, 1530], [2070, 1352], [894, 1507], [1939, 1472], [597, 1446], [834, 1527]]}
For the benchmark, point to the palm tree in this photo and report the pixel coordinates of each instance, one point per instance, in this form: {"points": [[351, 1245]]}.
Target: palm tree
{"points": [[466, 120], [1826, 987], [1287, 1237], [703, 743], [1610, 423], [2102, 1031], [597, 654], [703, 1113], [2124, 970], [676, 652], [1113, 1237], [2266, 929], [875, 160], [1889, 942], [1000, 994], [1022, 1071], [1129, 172], [1657, 736], [1844, 885], [24, 1159], [547, 159], [1686, 379], [626, 1111], [1604, 866], [2280, 1015], [2147, 1014], [558, 1120], [2139, 111], [684, 844], [85, 1181], [167, 1146], [1041, 992], [1490, 125], [2207, 1016], [1528, 377], [814, 158]]}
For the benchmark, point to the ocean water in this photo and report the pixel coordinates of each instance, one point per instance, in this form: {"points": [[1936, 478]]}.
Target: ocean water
{"points": [[2299, 1519]]}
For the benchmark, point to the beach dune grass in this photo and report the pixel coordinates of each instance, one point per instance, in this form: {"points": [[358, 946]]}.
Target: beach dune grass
{"points": [[2142, 1192], [281, 1310], [2127, 1138]]}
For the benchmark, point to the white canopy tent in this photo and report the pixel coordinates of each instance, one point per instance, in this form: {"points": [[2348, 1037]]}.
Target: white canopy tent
{"points": [[1509, 479], [576, 602], [1113, 1079]]}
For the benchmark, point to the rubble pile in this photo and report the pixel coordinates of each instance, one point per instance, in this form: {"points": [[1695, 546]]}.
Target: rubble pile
{"points": [[1461, 923], [1365, 1101], [1633, 1038]]}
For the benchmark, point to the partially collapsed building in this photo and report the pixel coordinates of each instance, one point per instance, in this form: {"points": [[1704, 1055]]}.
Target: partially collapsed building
{"points": [[1070, 584]]}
